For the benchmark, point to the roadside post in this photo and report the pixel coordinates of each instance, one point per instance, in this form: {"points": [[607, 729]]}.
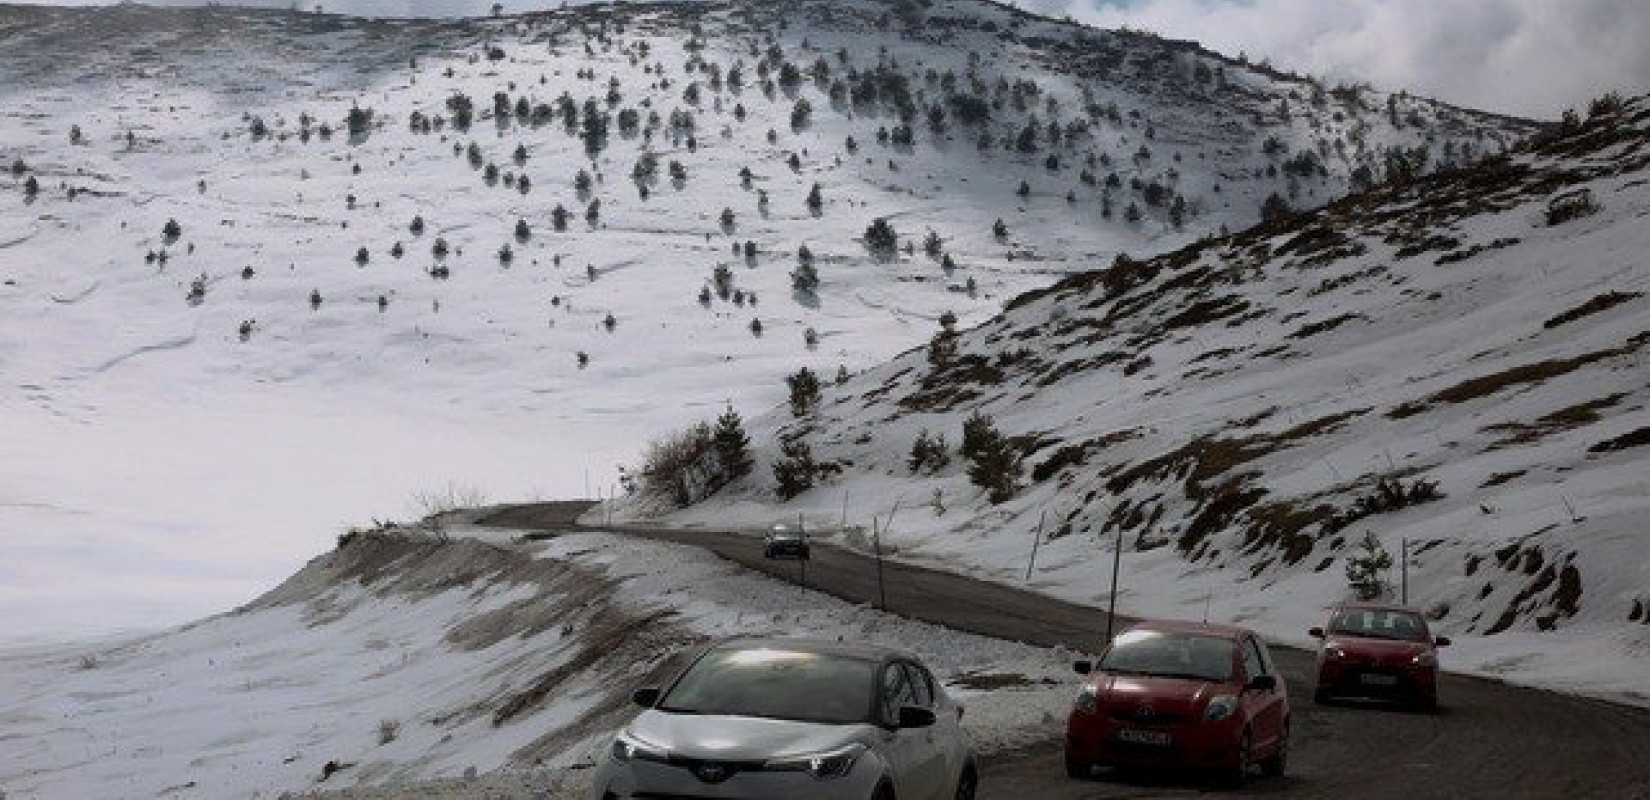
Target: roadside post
{"points": [[802, 531], [1403, 572], [1116, 567], [1036, 539], [876, 548]]}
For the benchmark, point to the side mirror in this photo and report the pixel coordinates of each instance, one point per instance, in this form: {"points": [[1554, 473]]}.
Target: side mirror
{"points": [[1442, 641], [1316, 633], [914, 717], [1082, 667], [1264, 683], [646, 698]]}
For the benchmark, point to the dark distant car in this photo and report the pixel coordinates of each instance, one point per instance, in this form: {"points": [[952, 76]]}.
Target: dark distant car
{"points": [[1378, 651], [792, 719], [782, 542], [1182, 696]]}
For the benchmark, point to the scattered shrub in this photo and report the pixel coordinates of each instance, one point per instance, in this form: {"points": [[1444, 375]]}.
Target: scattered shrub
{"points": [[928, 453]]}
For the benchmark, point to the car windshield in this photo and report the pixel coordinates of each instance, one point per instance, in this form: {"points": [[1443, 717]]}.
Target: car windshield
{"points": [[1377, 623], [776, 684], [1174, 655]]}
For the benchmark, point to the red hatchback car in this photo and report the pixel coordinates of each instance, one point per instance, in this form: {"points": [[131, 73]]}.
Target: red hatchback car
{"points": [[1378, 651], [1181, 695]]}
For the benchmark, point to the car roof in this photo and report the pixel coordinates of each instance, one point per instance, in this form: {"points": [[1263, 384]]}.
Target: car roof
{"points": [[1188, 627], [1374, 605], [859, 650]]}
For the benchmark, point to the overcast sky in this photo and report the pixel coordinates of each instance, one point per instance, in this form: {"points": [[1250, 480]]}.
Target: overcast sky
{"points": [[1526, 57]]}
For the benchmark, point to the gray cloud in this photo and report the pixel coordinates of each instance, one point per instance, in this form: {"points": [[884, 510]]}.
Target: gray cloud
{"points": [[1526, 57]]}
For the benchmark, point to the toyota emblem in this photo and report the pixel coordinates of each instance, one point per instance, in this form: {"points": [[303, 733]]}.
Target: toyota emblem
{"points": [[712, 773], [1145, 710]]}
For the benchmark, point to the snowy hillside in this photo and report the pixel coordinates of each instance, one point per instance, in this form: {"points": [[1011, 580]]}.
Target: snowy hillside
{"points": [[367, 293], [375, 664], [1456, 361]]}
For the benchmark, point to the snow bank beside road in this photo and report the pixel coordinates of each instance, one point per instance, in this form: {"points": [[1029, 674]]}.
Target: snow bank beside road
{"points": [[415, 659]]}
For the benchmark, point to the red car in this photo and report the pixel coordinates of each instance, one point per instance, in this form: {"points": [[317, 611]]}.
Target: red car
{"points": [[1378, 651], [1181, 695]]}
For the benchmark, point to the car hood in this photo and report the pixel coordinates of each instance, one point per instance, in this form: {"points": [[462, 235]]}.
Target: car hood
{"points": [[1164, 696], [1377, 651], [725, 738]]}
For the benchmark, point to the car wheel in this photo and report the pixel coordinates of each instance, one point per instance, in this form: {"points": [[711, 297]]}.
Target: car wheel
{"points": [[1076, 768], [967, 783], [1274, 766], [1239, 773], [1321, 697], [885, 791]]}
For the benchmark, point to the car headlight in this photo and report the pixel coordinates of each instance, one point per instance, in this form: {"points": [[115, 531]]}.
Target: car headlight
{"points": [[1221, 707], [627, 748], [1088, 700], [1425, 660], [829, 764], [1333, 653]]}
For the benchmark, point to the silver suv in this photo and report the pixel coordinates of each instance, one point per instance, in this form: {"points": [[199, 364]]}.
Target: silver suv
{"points": [[794, 719]]}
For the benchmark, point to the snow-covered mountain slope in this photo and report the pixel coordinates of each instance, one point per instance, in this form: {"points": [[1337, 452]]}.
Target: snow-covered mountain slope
{"points": [[199, 410], [1457, 362], [408, 656]]}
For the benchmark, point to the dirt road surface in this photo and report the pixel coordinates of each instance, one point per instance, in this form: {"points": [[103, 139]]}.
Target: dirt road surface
{"points": [[1489, 740]]}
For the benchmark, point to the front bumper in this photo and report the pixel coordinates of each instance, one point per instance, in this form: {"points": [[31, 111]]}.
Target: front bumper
{"points": [[1100, 738], [651, 780], [1406, 682]]}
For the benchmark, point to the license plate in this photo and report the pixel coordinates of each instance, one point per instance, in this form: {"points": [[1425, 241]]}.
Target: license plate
{"points": [[1143, 737], [1379, 680]]}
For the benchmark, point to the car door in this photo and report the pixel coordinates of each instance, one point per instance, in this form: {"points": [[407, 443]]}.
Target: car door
{"points": [[936, 770], [1265, 708], [907, 750]]}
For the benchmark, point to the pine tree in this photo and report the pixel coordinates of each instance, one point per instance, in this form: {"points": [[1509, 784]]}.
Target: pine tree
{"points": [[804, 390], [795, 472], [1366, 571], [732, 446], [881, 238]]}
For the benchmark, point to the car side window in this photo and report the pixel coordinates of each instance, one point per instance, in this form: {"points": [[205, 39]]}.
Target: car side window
{"points": [[922, 686], [1266, 657], [1253, 664], [896, 692]]}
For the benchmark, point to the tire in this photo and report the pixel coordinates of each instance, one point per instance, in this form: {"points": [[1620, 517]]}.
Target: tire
{"points": [[967, 784], [885, 791], [1321, 697], [1238, 774], [1078, 769], [1275, 765]]}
